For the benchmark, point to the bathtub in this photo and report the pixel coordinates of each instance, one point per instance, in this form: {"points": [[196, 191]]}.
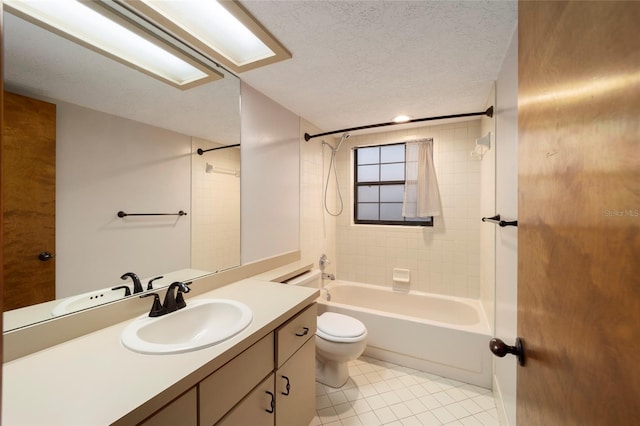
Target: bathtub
{"points": [[443, 335]]}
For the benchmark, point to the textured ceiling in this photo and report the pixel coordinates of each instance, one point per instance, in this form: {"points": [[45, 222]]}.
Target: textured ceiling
{"points": [[354, 63], [361, 62]]}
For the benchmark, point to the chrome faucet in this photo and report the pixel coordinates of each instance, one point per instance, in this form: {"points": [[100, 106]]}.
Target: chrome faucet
{"points": [[172, 300], [137, 285], [323, 262]]}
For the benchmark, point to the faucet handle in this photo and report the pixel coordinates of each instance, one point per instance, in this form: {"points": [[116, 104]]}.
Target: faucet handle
{"points": [[156, 309], [127, 290], [323, 262], [150, 285], [180, 303]]}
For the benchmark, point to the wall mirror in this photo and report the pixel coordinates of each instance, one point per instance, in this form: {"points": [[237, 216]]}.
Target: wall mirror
{"points": [[126, 142]]}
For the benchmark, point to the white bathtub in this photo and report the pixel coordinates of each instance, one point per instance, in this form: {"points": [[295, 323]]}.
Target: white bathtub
{"points": [[443, 335]]}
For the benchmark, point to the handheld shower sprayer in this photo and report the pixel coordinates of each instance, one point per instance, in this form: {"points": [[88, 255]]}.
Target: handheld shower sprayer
{"points": [[335, 172]]}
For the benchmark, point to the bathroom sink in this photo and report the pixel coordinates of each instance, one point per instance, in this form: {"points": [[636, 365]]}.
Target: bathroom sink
{"points": [[200, 324], [85, 301]]}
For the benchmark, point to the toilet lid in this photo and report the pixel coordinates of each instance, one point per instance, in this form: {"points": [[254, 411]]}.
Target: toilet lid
{"points": [[338, 327]]}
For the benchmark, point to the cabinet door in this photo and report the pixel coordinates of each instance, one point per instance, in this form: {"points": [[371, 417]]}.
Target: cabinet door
{"points": [[256, 409], [228, 385], [296, 404], [183, 411]]}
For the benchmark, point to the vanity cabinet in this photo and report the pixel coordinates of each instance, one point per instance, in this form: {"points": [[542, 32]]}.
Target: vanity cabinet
{"points": [[182, 411], [296, 404], [272, 383], [286, 396], [295, 367], [252, 388], [256, 409], [229, 384]]}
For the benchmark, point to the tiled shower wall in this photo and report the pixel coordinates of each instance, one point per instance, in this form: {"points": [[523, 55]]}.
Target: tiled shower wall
{"points": [[442, 259], [215, 207], [317, 228]]}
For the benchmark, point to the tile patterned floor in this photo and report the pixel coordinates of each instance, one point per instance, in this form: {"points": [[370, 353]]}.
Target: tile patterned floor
{"points": [[381, 393]]}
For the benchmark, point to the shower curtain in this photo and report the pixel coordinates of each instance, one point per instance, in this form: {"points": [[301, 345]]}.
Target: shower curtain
{"points": [[421, 193]]}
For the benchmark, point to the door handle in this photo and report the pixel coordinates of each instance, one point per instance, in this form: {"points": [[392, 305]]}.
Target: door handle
{"points": [[44, 256], [500, 349]]}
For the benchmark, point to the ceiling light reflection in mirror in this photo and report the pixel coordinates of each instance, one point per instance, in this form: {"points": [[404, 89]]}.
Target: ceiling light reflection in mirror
{"points": [[114, 37], [221, 30], [213, 25]]}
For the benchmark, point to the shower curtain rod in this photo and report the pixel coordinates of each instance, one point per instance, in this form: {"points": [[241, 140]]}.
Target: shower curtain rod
{"points": [[488, 113], [201, 151]]}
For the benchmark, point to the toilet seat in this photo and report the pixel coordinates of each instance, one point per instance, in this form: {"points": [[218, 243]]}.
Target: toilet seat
{"points": [[340, 328]]}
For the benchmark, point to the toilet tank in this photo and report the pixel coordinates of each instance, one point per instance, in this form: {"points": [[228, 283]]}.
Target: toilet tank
{"points": [[310, 278]]}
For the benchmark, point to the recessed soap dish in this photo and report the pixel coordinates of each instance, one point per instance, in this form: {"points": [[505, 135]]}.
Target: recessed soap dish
{"points": [[401, 275]]}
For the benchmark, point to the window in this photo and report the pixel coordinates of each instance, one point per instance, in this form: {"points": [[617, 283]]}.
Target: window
{"points": [[379, 177]]}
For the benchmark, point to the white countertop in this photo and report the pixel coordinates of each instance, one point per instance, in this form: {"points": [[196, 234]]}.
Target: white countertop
{"points": [[95, 380]]}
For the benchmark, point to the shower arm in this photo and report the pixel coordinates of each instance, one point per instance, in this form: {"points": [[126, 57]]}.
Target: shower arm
{"points": [[488, 113]]}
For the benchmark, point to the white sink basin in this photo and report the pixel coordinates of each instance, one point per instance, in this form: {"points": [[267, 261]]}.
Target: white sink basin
{"points": [[202, 323], [86, 300]]}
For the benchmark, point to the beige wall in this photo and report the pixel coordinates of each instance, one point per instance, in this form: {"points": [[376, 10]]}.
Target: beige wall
{"points": [[270, 194], [106, 164]]}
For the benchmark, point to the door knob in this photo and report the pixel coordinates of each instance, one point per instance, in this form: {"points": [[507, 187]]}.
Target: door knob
{"points": [[500, 349], [44, 256]]}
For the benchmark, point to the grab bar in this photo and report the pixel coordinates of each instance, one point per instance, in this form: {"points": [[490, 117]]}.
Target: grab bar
{"points": [[496, 219], [123, 214]]}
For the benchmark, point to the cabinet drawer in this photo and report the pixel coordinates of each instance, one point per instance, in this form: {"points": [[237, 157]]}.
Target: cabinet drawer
{"points": [[182, 411], [256, 409], [230, 383], [293, 334]]}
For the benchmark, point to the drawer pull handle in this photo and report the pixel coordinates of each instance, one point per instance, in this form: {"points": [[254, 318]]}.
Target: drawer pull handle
{"points": [[288, 387], [304, 333], [273, 403]]}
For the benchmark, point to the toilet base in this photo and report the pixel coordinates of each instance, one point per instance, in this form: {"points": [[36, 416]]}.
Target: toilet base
{"points": [[331, 373]]}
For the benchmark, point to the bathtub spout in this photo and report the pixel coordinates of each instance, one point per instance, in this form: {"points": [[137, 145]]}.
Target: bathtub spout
{"points": [[324, 292], [328, 276]]}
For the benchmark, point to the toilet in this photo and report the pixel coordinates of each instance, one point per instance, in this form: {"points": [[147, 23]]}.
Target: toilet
{"points": [[339, 339]]}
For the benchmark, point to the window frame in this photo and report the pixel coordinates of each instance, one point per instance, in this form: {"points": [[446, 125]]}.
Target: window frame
{"points": [[427, 222]]}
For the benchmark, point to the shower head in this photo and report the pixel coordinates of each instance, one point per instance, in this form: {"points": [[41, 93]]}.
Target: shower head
{"points": [[342, 139]]}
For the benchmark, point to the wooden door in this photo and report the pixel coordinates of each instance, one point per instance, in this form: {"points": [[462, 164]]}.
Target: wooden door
{"points": [[28, 190], [579, 213]]}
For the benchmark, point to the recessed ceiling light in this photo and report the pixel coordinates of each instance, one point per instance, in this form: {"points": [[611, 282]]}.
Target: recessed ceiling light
{"points": [[94, 27], [222, 30], [401, 119]]}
